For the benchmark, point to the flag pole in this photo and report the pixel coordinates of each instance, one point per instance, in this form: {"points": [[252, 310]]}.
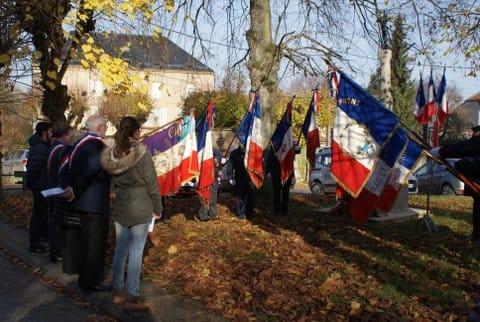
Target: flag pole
{"points": [[475, 186], [299, 136], [158, 128], [236, 132], [290, 102]]}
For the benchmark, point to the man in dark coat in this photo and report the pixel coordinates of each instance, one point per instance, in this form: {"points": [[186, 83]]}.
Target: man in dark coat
{"points": [[469, 152], [62, 134], [90, 187], [36, 181], [281, 192], [242, 183]]}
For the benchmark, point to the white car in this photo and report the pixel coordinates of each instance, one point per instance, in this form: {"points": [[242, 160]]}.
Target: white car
{"points": [[321, 181], [15, 160]]}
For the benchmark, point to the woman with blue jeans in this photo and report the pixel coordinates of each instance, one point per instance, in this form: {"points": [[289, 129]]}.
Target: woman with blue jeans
{"points": [[137, 199]]}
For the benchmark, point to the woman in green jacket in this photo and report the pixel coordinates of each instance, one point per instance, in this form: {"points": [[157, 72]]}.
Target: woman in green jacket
{"points": [[135, 183]]}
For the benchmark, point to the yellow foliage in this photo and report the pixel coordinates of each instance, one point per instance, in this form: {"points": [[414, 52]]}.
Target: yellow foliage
{"points": [[90, 57], [37, 55], [169, 5], [52, 74], [126, 7], [143, 90], [148, 14], [84, 63], [90, 41], [4, 58], [135, 78], [157, 32], [86, 48], [56, 61], [50, 85], [28, 17]]}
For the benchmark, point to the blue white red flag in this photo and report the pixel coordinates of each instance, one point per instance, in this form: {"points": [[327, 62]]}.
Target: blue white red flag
{"points": [[420, 103], [310, 129], [400, 174], [282, 144], [244, 127], [174, 152], [430, 106], [205, 152], [367, 145], [442, 102], [254, 143]]}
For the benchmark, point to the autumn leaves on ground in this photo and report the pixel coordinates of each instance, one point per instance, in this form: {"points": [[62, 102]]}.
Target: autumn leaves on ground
{"points": [[309, 266]]}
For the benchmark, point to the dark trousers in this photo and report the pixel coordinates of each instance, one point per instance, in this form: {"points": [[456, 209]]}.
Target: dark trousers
{"points": [[476, 217], [93, 249], [71, 250], [245, 201], [211, 212], [54, 234], [38, 220], [280, 195]]}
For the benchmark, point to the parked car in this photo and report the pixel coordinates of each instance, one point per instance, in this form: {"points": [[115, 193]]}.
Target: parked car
{"points": [[435, 178], [15, 160], [321, 181]]}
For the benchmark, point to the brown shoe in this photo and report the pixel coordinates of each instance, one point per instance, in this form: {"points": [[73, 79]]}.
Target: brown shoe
{"points": [[118, 297], [136, 303]]}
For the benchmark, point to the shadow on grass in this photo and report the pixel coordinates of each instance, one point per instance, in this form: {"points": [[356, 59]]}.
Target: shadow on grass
{"points": [[439, 268]]}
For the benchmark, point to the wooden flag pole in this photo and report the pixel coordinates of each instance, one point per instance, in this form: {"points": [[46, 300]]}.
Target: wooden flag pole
{"points": [[299, 136], [236, 132], [158, 128]]}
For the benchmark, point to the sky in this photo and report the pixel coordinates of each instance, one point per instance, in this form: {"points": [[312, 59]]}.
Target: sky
{"points": [[360, 53]]}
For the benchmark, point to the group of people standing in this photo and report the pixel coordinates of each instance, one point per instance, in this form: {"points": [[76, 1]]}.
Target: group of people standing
{"points": [[76, 222]]}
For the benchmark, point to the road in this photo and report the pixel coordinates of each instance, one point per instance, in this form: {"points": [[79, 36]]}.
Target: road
{"points": [[25, 298]]}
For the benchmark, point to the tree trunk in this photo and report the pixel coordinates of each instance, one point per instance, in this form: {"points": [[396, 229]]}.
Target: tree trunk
{"points": [[263, 63], [55, 103]]}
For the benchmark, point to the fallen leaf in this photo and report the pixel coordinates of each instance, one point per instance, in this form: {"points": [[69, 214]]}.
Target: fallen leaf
{"points": [[172, 249]]}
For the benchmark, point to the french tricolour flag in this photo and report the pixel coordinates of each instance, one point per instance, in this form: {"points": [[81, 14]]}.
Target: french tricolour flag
{"points": [[368, 143], [362, 125], [174, 151], [399, 175], [282, 143], [205, 152], [254, 143], [310, 129], [420, 103], [442, 102], [430, 106]]}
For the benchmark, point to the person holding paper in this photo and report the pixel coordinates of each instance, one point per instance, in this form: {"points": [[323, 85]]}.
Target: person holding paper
{"points": [[62, 134], [135, 183]]}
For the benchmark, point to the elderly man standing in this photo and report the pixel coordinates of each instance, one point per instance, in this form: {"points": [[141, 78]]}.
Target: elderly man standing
{"points": [[90, 188]]}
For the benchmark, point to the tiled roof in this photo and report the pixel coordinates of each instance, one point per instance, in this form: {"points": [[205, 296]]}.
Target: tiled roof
{"points": [[148, 52]]}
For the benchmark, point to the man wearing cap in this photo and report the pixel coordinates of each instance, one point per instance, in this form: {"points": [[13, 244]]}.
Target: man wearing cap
{"points": [[469, 164]]}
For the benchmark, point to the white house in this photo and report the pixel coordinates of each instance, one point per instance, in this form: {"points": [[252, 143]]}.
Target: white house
{"points": [[172, 74]]}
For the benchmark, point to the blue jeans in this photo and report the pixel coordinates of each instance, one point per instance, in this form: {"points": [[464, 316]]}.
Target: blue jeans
{"points": [[129, 241]]}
